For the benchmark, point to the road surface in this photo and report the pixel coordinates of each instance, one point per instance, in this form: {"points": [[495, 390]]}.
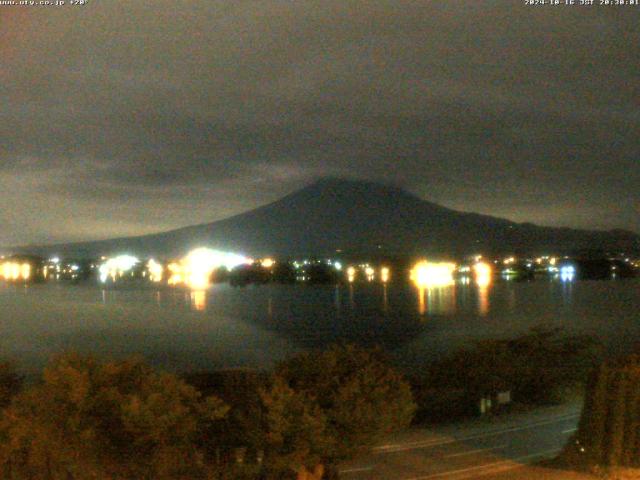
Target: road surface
{"points": [[487, 448]]}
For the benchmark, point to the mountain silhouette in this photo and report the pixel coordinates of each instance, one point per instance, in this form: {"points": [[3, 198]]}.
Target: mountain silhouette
{"points": [[359, 218]]}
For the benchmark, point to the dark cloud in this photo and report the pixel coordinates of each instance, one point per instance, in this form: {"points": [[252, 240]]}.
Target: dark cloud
{"points": [[125, 117]]}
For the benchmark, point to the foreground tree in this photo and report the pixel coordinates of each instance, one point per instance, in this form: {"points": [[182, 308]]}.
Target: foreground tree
{"points": [[118, 420], [241, 433], [122, 420], [295, 433], [351, 397], [609, 429]]}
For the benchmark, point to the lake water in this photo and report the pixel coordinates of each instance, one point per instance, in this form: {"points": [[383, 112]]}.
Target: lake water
{"points": [[259, 325]]}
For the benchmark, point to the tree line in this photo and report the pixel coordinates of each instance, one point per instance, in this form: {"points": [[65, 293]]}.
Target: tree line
{"points": [[87, 419], [536, 368], [91, 419]]}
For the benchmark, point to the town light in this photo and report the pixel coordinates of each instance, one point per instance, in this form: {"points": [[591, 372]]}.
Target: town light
{"points": [[196, 268], [116, 266], [351, 274], [427, 274], [369, 272], [567, 273], [267, 262], [483, 272], [156, 270], [384, 274], [13, 271]]}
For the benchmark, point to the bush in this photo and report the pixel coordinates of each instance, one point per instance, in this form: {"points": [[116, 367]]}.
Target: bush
{"points": [[534, 367]]}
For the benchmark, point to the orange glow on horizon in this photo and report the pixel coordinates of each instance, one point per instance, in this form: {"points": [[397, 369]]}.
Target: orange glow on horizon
{"points": [[199, 300]]}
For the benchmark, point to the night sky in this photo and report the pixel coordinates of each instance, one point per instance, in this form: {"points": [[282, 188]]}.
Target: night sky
{"points": [[131, 117]]}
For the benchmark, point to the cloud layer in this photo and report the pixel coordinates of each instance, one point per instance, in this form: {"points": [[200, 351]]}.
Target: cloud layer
{"points": [[124, 118]]}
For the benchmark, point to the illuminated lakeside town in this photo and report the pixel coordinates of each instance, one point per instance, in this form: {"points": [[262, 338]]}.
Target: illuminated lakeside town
{"points": [[433, 281], [202, 267]]}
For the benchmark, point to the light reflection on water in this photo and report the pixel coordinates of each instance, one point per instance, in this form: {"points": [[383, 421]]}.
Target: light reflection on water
{"points": [[443, 300], [462, 297], [483, 299], [385, 298], [459, 298], [258, 325], [422, 309], [198, 300]]}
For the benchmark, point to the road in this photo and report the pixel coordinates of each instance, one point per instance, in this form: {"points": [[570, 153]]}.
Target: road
{"points": [[486, 447]]}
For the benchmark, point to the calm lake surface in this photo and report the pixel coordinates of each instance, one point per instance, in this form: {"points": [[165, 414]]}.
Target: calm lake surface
{"points": [[259, 325]]}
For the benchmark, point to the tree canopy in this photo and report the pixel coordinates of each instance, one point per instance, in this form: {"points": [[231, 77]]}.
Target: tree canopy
{"points": [[359, 395], [115, 420]]}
